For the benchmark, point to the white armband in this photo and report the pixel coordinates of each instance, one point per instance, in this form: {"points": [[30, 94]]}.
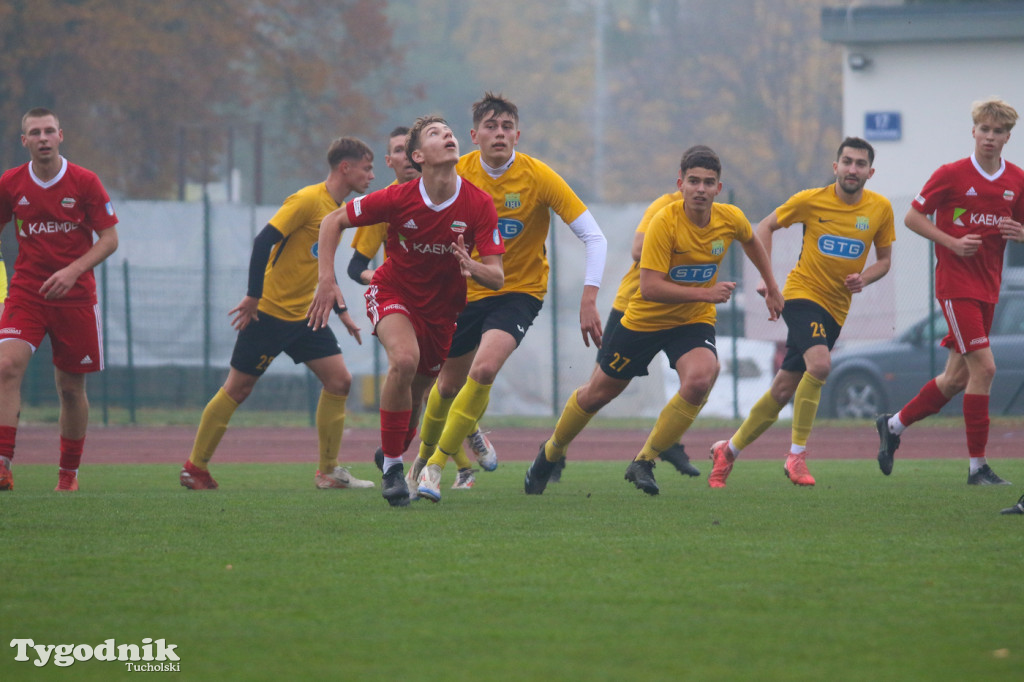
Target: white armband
{"points": [[587, 231]]}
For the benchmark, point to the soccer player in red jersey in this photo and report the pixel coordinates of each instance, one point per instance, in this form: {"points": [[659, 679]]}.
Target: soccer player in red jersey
{"points": [[65, 228], [418, 292], [978, 205]]}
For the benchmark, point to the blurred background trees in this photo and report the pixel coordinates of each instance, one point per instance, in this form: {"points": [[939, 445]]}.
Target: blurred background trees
{"points": [[153, 95]]}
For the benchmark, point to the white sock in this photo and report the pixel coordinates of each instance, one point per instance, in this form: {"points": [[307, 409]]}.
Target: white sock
{"points": [[896, 426], [391, 462], [795, 449], [977, 463]]}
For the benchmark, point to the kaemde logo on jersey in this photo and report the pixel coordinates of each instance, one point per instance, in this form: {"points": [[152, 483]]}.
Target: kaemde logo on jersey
{"points": [[49, 227]]}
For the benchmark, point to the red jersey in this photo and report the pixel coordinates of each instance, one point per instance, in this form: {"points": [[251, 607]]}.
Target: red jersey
{"points": [[967, 200], [420, 266], [55, 222]]}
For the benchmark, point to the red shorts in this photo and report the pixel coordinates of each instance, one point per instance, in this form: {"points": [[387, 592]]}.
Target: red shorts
{"points": [[74, 332], [969, 321], [434, 336]]}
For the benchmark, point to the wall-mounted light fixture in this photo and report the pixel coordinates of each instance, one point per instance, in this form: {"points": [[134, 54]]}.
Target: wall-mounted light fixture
{"points": [[858, 61]]}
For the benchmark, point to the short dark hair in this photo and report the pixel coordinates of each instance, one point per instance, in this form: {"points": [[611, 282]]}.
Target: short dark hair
{"points": [[412, 141], [857, 143], [701, 156], [400, 131], [38, 112], [347, 148], [495, 105]]}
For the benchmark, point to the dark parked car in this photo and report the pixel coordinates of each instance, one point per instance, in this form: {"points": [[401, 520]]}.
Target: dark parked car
{"points": [[880, 377]]}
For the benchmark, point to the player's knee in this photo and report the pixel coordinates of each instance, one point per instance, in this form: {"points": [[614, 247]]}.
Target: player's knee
{"points": [[11, 372], [403, 365], [71, 394], [340, 384]]}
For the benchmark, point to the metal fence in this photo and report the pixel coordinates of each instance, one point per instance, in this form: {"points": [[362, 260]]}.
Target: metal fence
{"points": [[167, 338]]}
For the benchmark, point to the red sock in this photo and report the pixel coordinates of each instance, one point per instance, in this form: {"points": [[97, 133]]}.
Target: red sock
{"points": [[71, 453], [393, 428], [976, 423], [7, 436], [408, 438], [927, 402]]}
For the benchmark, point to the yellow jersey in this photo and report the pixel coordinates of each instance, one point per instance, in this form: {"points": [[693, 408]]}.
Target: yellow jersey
{"points": [[522, 195], [3, 280], [291, 275], [631, 280], [836, 241], [688, 256]]}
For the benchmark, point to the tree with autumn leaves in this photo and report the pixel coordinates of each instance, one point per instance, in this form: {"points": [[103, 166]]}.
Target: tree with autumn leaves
{"points": [[133, 79], [609, 91]]}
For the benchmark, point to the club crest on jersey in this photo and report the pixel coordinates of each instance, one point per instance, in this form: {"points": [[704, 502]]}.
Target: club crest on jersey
{"points": [[1008, 195], [863, 223], [68, 202], [458, 227], [512, 200], [717, 247]]}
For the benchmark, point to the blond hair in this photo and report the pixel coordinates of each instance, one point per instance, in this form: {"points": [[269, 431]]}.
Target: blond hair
{"points": [[995, 110]]}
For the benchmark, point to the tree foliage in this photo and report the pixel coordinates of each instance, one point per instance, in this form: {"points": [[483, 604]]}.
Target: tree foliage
{"points": [[752, 79], [127, 77]]}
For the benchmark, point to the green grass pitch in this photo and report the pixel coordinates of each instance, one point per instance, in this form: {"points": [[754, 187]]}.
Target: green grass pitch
{"points": [[911, 577]]}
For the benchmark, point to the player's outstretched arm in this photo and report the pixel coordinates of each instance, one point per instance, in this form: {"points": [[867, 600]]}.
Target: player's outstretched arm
{"points": [[245, 312], [590, 319], [328, 293], [758, 255]]}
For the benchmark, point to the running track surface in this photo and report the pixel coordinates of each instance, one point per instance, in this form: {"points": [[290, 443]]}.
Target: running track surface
{"points": [[172, 444]]}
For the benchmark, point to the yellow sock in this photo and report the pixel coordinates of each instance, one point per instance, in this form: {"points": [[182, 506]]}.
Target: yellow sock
{"points": [[466, 410], [330, 425], [805, 407], [434, 416], [212, 426], [675, 418], [573, 420], [440, 459], [762, 415]]}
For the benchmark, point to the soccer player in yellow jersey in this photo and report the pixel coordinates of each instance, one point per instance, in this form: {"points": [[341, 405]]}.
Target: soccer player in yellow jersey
{"points": [[675, 455], [494, 323], [368, 240], [271, 319], [3, 282], [673, 311], [841, 221]]}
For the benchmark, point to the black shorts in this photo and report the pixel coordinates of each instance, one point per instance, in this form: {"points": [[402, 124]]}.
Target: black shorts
{"points": [[512, 313], [628, 353], [808, 325], [611, 324], [265, 338]]}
